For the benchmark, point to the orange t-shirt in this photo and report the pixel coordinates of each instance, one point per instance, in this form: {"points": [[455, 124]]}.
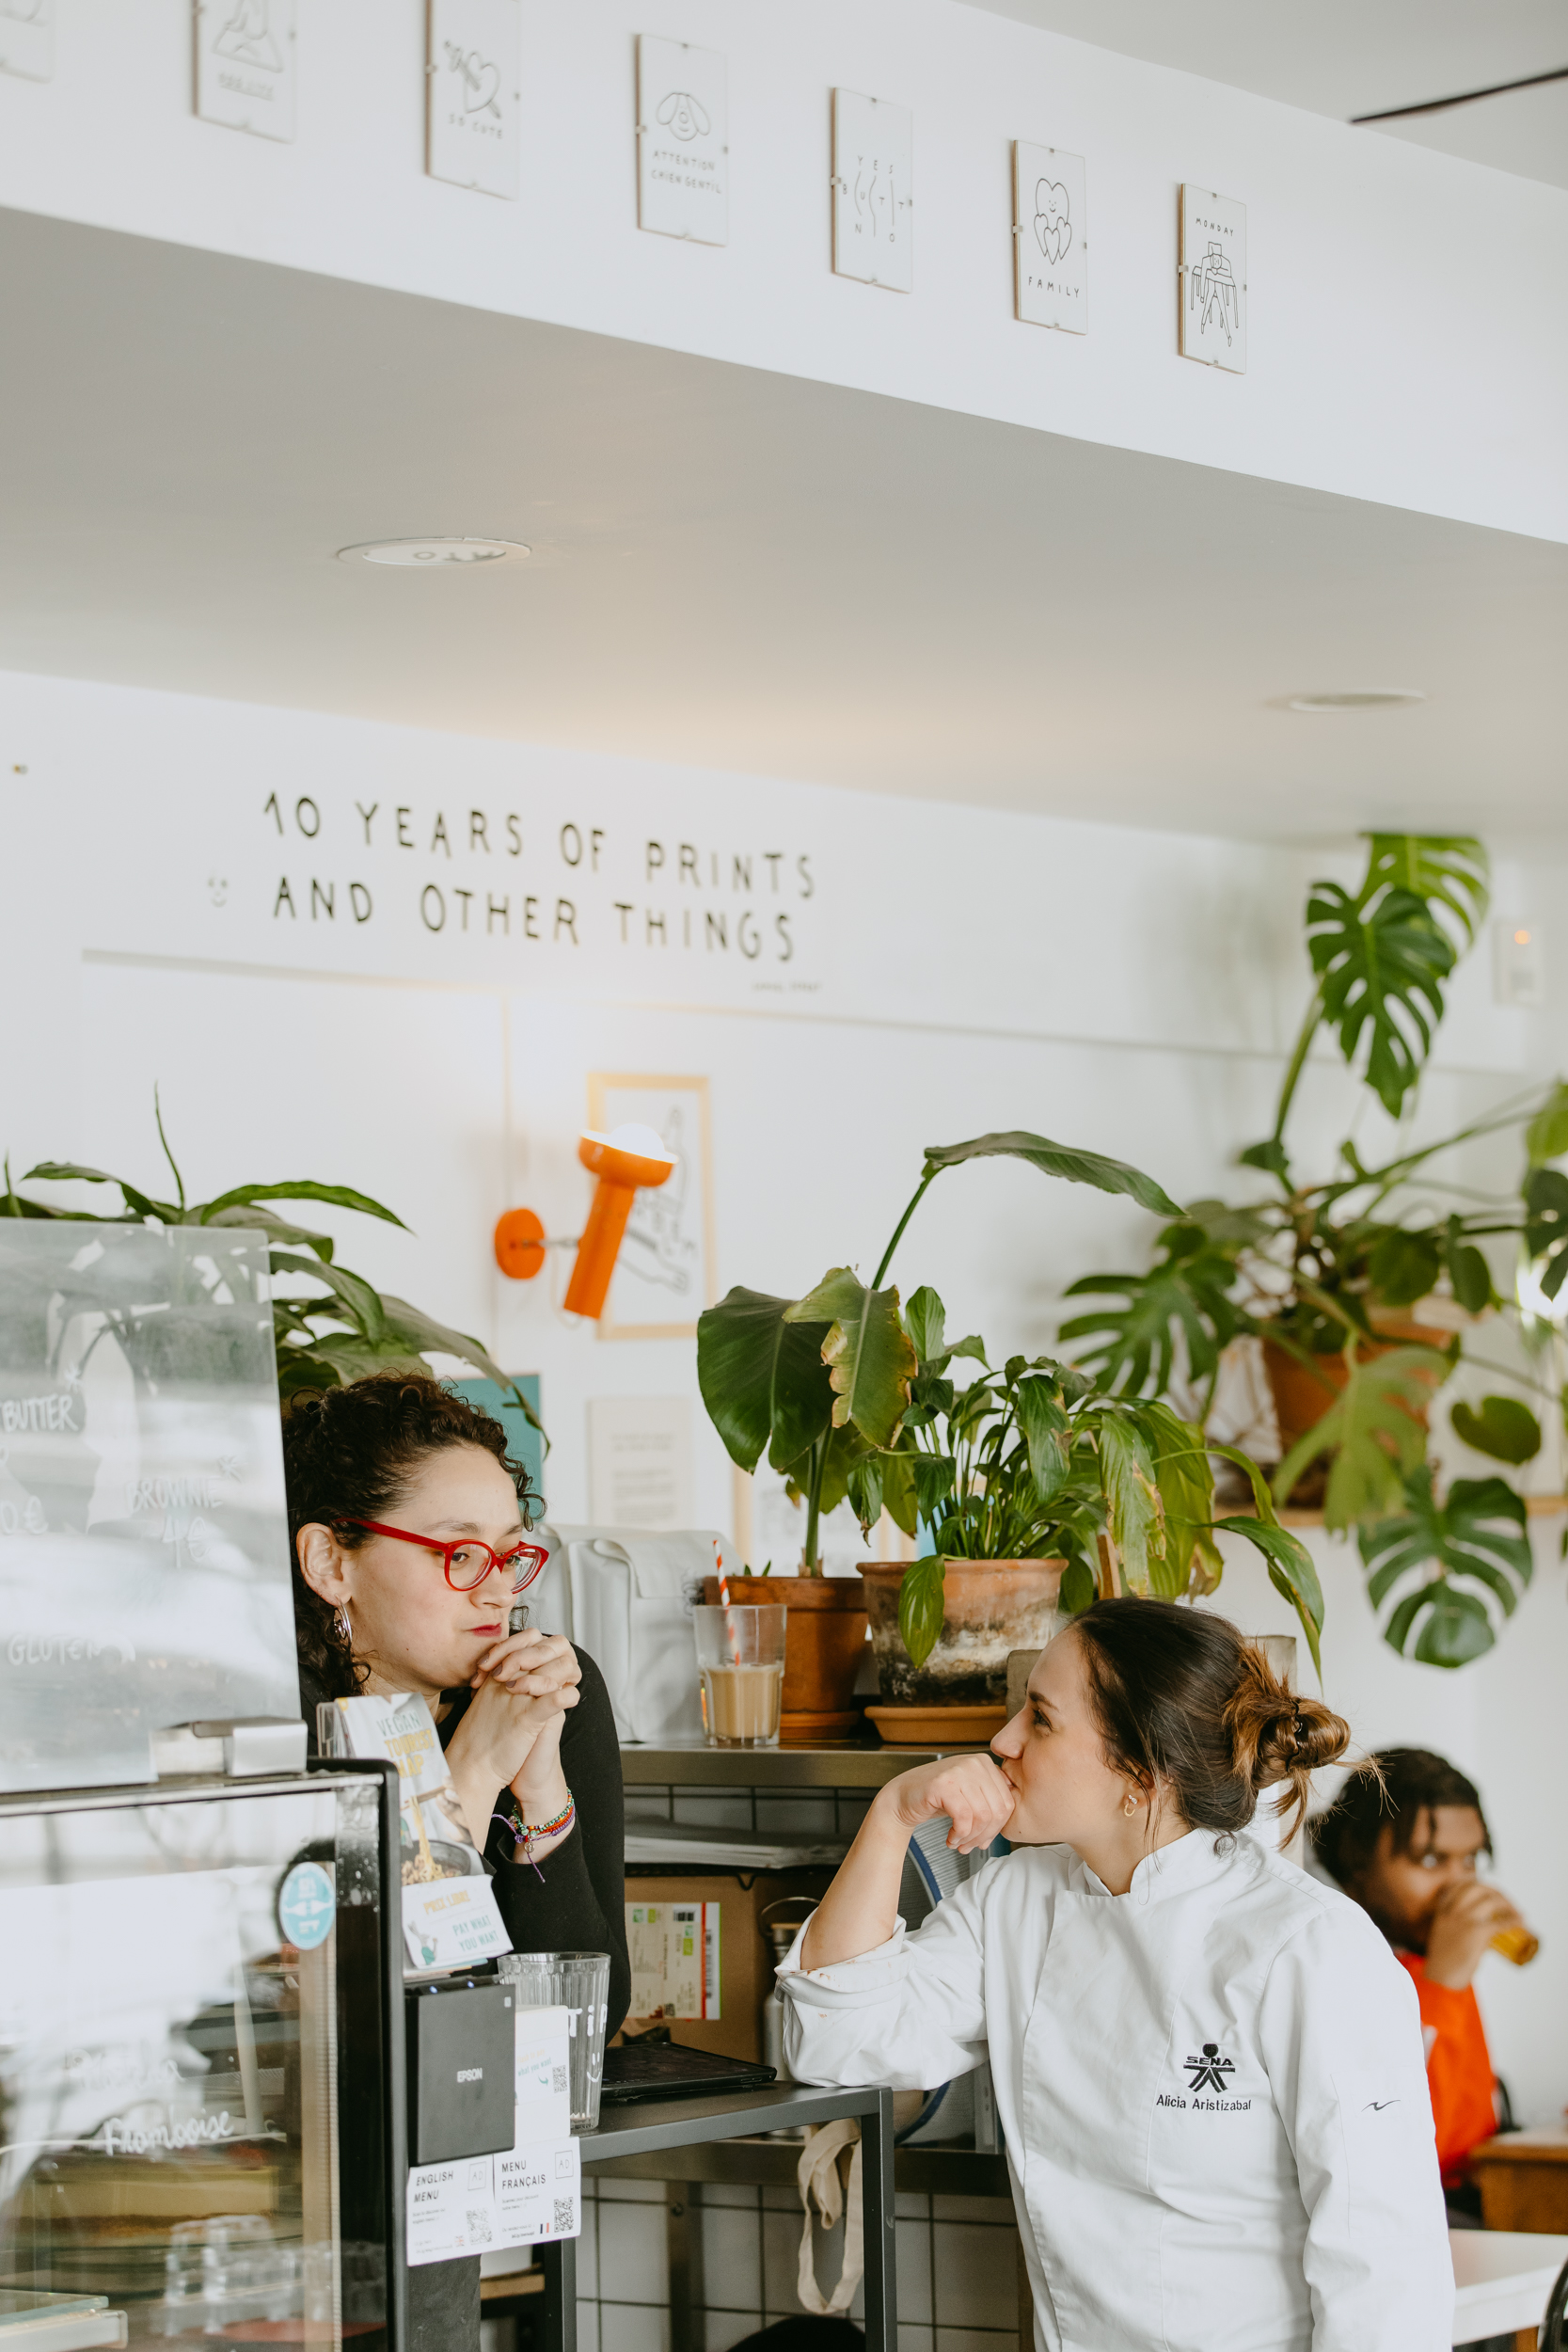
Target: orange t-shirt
{"points": [[1459, 2069]]}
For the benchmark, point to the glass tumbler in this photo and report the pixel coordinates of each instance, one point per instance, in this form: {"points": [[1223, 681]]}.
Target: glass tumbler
{"points": [[578, 1982], [740, 1659]]}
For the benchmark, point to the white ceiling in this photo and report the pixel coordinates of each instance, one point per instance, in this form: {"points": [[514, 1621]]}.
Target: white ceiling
{"points": [[733, 569], [1348, 58]]}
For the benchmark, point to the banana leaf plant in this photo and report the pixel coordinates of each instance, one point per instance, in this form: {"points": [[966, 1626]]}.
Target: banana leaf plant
{"points": [[1330, 1268], [330, 1325]]}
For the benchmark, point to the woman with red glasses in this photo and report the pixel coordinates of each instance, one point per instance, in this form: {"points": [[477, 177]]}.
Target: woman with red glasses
{"points": [[411, 1542]]}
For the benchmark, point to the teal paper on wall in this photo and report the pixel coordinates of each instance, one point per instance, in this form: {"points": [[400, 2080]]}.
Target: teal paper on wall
{"points": [[144, 1551], [524, 1443]]}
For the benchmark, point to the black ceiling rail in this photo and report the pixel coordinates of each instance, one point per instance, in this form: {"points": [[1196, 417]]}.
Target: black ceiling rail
{"points": [[1464, 98]]}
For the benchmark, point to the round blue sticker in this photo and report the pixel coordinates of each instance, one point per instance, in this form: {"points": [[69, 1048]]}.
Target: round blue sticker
{"points": [[307, 1906]]}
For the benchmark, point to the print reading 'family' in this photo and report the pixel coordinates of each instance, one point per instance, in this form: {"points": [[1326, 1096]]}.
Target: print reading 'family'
{"points": [[1052, 218], [480, 77], [1213, 292], [247, 37], [685, 116], [1209, 2071]]}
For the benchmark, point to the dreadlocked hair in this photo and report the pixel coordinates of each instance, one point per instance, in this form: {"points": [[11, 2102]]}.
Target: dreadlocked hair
{"points": [[349, 1453], [1389, 1791]]}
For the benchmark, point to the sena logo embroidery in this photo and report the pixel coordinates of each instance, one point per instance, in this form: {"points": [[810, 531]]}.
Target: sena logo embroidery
{"points": [[1209, 2072]]}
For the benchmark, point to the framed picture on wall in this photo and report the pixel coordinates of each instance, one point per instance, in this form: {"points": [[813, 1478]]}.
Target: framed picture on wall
{"points": [[664, 1275]]}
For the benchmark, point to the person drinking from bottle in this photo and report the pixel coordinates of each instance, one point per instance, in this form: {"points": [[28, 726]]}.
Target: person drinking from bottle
{"points": [[1405, 1838], [1208, 2066]]}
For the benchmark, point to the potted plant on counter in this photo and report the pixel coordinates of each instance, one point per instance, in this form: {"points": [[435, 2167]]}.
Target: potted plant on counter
{"points": [[848, 1396]]}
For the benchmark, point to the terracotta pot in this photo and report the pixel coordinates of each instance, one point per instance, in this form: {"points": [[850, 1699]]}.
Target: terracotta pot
{"points": [[1302, 1394], [824, 1644], [989, 1607]]}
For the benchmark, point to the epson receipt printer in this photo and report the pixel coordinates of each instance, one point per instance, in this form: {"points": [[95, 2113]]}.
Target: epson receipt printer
{"points": [[462, 2069]]}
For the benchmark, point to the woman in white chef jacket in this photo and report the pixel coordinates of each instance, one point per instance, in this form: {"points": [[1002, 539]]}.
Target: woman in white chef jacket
{"points": [[1208, 2066]]}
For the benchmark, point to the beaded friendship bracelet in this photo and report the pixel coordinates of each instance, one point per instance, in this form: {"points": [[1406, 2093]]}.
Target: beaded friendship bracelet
{"points": [[532, 1833]]}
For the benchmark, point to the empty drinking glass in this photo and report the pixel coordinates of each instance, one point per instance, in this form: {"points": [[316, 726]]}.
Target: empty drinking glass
{"points": [[578, 1982]]}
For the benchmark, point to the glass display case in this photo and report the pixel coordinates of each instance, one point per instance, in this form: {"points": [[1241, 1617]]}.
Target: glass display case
{"points": [[144, 1541], [201, 2056]]}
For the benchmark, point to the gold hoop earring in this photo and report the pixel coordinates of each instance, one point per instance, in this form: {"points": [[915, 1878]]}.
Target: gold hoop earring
{"points": [[1132, 1805]]}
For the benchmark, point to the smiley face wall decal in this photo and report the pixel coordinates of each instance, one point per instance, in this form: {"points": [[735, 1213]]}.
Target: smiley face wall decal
{"points": [[1052, 218]]}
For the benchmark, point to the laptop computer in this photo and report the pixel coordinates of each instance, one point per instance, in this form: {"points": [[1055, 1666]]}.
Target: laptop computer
{"points": [[664, 2070]]}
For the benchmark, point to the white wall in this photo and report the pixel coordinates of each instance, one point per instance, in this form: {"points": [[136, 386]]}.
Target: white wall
{"points": [[962, 970], [1400, 345]]}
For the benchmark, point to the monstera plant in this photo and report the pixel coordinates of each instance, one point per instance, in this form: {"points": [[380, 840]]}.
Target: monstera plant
{"points": [[849, 1395], [1331, 1272], [330, 1325]]}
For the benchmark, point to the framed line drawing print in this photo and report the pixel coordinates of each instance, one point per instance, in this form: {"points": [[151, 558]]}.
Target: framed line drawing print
{"points": [[473, 105], [664, 1275], [244, 65], [873, 198], [1050, 238], [1211, 279], [683, 132]]}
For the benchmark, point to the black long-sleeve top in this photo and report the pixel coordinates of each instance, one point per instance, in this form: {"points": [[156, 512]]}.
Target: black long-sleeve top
{"points": [[578, 1901]]}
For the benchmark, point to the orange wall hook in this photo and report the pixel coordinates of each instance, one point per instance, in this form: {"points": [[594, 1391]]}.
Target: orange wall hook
{"points": [[630, 1159]]}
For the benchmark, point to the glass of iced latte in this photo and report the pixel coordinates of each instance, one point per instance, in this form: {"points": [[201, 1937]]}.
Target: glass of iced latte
{"points": [[740, 1659]]}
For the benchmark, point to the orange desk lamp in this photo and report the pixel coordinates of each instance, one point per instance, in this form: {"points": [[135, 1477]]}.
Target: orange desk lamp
{"points": [[630, 1160]]}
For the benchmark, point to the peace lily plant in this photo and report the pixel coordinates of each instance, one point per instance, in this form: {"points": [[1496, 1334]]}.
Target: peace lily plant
{"points": [[849, 1394]]}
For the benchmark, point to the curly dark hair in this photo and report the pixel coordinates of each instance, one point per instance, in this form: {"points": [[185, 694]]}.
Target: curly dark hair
{"points": [[1182, 1696], [349, 1453], [1391, 1789]]}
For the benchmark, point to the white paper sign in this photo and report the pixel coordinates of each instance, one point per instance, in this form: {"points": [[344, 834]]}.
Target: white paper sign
{"points": [[244, 65], [1213, 279], [27, 39], [683, 134], [544, 2075], [873, 195], [538, 2193], [452, 2209], [1050, 252], [472, 76], [480, 2203], [641, 1464], [453, 1922]]}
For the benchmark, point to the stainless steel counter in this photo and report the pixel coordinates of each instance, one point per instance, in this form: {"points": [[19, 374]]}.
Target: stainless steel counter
{"points": [[852, 1764]]}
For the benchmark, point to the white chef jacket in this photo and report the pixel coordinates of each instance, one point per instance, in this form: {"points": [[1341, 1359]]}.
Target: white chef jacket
{"points": [[1212, 2089]]}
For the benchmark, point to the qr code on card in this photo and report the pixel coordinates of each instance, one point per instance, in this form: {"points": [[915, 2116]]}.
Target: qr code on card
{"points": [[558, 2078], [564, 2218]]}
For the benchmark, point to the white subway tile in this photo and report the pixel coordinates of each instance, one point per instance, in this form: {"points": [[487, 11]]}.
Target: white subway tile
{"points": [[976, 2276], [732, 2258], [633, 2265]]}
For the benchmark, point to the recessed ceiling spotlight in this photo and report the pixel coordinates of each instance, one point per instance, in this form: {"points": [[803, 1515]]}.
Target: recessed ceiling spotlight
{"points": [[436, 554], [1357, 698]]}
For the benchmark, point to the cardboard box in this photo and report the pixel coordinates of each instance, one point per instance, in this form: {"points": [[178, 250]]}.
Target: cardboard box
{"points": [[721, 1936]]}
